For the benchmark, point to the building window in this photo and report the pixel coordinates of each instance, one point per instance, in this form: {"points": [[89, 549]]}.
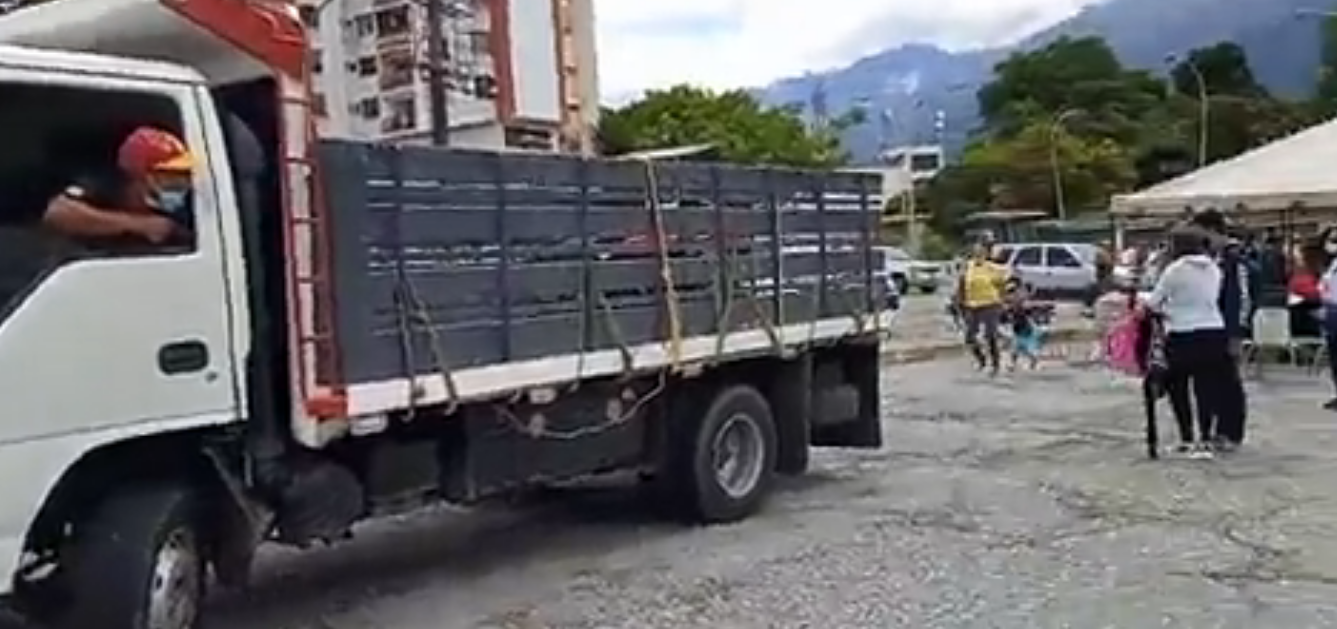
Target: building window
{"points": [[364, 26], [401, 114], [392, 22], [317, 61], [396, 69], [320, 105], [479, 43], [484, 86], [529, 138], [366, 108], [366, 66], [309, 15]]}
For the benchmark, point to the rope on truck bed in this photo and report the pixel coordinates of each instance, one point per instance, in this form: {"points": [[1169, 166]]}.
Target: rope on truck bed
{"points": [[413, 317], [673, 306]]}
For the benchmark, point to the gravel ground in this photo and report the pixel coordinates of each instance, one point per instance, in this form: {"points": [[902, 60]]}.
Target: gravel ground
{"points": [[1018, 502]]}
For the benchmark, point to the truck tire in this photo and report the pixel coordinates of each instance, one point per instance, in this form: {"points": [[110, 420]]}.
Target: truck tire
{"points": [[902, 285], [138, 563], [724, 464]]}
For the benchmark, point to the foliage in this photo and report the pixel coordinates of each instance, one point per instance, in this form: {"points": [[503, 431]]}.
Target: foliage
{"points": [[739, 127], [1325, 92], [1108, 129], [1069, 74], [1224, 68]]}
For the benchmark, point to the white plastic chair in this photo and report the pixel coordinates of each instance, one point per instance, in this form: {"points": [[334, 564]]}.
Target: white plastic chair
{"points": [[1271, 331]]}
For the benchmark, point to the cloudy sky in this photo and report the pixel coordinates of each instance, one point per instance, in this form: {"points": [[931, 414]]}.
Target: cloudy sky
{"points": [[728, 43]]}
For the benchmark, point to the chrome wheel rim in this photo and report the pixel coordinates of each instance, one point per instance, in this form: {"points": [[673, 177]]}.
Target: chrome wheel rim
{"points": [[738, 456], [177, 586]]}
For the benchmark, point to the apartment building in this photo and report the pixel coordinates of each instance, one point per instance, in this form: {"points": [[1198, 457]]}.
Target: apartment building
{"points": [[521, 74]]}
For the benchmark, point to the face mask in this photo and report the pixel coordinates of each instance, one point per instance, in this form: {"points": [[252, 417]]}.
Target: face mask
{"points": [[171, 201]]}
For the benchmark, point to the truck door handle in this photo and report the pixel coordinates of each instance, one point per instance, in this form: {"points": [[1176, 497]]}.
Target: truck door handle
{"points": [[183, 357]]}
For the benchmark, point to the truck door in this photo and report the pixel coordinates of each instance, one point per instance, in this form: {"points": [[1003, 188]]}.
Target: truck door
{"points": [[133, 340]]}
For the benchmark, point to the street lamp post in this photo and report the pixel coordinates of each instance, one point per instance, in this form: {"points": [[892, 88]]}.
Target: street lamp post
{"points": [[1059, 203], [1204, 106]]}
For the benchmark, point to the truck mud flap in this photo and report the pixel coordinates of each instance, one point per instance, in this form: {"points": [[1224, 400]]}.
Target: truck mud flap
{"points": [[849, 414]]}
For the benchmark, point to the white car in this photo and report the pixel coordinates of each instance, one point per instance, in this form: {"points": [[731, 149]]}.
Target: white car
{"points": [[1052, 269], [907, 272]]}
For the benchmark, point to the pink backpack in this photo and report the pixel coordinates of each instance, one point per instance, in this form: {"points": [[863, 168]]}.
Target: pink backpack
{"points": [[1121, 345]]}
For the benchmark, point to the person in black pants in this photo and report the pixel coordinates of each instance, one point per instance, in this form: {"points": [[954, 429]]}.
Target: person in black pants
{"points": [[1328, 292], [1236, 304], [1196, 345]]}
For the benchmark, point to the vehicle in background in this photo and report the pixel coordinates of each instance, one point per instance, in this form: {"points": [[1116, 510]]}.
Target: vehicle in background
{"points": [[1052, 270], [355, 330], [908, 273], [882, 272]]}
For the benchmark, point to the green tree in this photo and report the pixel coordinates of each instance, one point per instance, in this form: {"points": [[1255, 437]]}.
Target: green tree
{"points": [[1224, 68], [739, 127], [1325, 92], [1091, 169], [1069, 73]]}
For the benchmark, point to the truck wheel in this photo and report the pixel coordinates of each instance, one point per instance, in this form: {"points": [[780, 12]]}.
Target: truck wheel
{"points": [[728, 465], [137, 563], [902, 285]]}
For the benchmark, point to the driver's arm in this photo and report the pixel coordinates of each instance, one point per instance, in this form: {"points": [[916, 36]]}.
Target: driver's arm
{"points": [[79, 219]]}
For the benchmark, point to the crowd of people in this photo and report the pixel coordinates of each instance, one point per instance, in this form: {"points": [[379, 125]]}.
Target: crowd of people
{"points": [[1201, 288]]}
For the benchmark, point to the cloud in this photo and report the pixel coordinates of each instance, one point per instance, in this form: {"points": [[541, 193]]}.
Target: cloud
{"points": [[733, 43]]}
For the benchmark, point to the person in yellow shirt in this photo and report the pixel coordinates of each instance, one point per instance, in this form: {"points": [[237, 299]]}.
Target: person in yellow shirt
{"points": [[980, 293]]}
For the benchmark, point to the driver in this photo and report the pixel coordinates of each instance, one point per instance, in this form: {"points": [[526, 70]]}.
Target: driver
{"points": [[146, 200]]}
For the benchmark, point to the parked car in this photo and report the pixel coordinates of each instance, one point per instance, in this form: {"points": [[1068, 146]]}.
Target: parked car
{"points": [[1052, 269], [909, 273], [883, 268]]}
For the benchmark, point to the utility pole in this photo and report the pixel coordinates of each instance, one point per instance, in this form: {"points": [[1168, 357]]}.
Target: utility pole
{"points": [[438, 92], [1060, 203]]}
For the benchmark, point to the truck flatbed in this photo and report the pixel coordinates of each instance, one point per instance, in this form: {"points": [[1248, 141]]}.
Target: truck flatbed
{"points": [[461, 275]]}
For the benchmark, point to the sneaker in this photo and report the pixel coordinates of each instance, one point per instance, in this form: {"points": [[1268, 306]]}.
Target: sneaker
{"points": [[1330, 405], [1183, 448], [1201, 452], [1224, 446]]}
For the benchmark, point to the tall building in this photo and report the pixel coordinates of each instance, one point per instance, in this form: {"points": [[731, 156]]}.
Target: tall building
{"points": [[521, 73]]}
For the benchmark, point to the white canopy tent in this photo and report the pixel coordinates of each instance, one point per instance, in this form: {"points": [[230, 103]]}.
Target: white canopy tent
{"points": [[1299, 170]]}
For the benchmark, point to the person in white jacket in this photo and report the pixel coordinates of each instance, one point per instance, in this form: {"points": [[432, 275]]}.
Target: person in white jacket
{"points": [[1197, 347]]}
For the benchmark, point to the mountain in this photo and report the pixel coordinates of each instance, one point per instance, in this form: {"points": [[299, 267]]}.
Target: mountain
{"points": [[914, 81]]}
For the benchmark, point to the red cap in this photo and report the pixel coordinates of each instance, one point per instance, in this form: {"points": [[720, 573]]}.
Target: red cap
{"points": [[148, 150]]}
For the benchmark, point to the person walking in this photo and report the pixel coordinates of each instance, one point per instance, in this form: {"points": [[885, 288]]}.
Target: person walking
{"points": [[1196, 343], [980, 293], [1237, 307], [1328, 295]]}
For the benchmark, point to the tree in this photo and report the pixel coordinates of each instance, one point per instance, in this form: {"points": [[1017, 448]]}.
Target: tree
{"points": [[1091, 169], [735, 122], [1082, 73], [1225, 71], [1325, 92]]}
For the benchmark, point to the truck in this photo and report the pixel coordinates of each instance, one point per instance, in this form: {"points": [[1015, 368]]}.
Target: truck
{"points": [[357, 329]]}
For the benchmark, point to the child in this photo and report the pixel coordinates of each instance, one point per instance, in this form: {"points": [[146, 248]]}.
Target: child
{"points": [[1025, 331]]}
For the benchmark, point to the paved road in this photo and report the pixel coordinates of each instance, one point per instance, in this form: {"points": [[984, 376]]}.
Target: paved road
{"points": [[1019, 502]]}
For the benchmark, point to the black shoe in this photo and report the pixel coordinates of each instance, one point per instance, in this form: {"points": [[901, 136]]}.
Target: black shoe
{"points": [[1330, 405]]}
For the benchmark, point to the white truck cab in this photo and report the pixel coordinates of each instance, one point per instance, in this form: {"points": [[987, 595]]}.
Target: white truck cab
{"points": [[98, 353]]}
